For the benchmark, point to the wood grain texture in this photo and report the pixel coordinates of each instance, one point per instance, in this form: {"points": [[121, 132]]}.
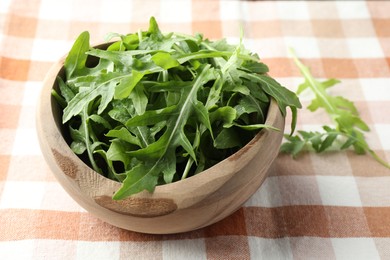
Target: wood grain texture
{"points": [[189, 204]]}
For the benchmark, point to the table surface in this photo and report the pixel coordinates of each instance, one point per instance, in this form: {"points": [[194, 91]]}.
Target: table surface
{"points": [[333, 205]]}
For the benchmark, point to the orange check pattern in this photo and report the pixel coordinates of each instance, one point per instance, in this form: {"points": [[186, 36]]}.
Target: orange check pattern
{"points": [[335, 205]]}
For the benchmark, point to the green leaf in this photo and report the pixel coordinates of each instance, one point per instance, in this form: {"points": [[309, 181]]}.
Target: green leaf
{"points": [[224, 114], [141, 177], [169, 169], [294, 147], [100, 120], [248, 105], [282, 95], [102, 85], [117, 152], [165, 60], [154, 29], [127, 84], [227, 138], [330, 83], [302, 87], [255, 67], [78, 147], [327, 142], [139, 99], [75, 61], [202, 54], [152, 117], [348, 143], [66, 91], [203, 115], [125, 60], [124, 135]]}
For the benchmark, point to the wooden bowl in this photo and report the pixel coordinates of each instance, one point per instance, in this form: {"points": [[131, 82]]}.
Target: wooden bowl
{"points": [[186, 205]]}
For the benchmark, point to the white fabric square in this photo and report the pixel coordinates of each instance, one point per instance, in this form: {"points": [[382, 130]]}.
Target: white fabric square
{"points": [[22, 249], [235, 41], [355, 248], [308, 247], [118, 11], [333, 48], [269, 47], [9, 91], [26, 142], [54, 193], [339, 191], [97, 250], [305, 47], [383, 131], [49, 50], [231, 10], [189, 249], [299, 190], [365, 48], [268, 195], [32, 92], [17, 47], [374, 191], [176, 11], [264, 248], [54, 249], [4, 5], [7, 140], [292, 84], [259, 10], [55, 10], [375, 89], [294, 10], [352, 9], [22, 195]]}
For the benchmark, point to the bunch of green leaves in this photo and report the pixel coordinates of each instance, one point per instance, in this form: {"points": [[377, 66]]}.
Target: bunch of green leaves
{"points": [[349, 127], [155, 108]]}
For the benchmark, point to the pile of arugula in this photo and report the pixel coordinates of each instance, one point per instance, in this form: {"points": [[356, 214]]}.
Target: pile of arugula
{"points": [[156, 108]]}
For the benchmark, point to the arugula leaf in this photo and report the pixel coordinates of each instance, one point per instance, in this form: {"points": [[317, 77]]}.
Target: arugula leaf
{"points": [[349, 127], [77, 57], [127, 84], [102, 85], [143, 176]]}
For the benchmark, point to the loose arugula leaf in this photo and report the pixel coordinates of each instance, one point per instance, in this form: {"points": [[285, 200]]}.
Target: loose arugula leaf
{"points": [[348, 124]]}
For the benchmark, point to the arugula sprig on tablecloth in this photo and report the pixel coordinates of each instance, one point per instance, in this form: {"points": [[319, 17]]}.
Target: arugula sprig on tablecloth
{"points": [[349, 127]]}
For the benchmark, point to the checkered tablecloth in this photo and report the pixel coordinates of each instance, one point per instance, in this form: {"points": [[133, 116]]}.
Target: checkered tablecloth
{"points": [[334, 205]]}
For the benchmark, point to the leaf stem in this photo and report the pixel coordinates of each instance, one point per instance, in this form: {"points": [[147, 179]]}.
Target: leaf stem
{"points": [[87, 142], [313, 83], [187, 168]]}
